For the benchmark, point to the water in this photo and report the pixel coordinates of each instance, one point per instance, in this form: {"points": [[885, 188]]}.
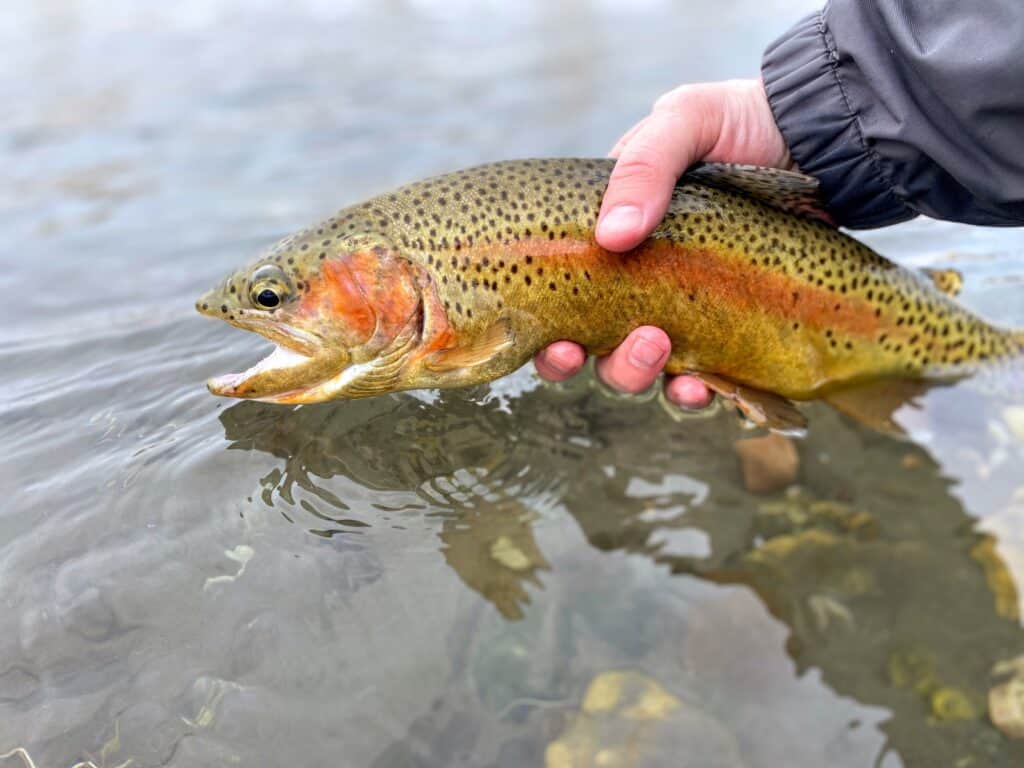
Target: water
{"points": [[437, 580]]}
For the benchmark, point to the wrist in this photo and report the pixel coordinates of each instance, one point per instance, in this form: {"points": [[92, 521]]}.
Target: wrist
{"points": [[746, 128]]}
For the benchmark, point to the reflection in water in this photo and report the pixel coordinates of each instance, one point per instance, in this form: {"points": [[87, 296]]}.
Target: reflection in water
{"points": [[874, 567], [157, 601], [493, 551]]}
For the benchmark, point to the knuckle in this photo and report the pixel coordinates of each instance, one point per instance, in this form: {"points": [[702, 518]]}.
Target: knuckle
{"points": [[625, 386], [643, 166], [624, 378], [675, 100]]}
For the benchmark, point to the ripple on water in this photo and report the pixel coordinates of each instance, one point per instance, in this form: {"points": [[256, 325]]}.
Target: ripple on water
{"points": [[402, 454], [459, 567]]}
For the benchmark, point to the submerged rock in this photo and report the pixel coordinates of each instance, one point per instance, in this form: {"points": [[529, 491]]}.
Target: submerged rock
{"points": [[953, 704], [917, 670], [768, 463], [628, 720], [1006, 700]]}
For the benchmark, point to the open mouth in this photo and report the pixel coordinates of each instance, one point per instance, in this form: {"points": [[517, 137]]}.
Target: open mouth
{"points": [[282, 358], [296, 362]]}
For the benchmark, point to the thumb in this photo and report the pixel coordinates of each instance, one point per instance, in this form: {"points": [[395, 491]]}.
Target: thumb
{"points": [[679, 131]]}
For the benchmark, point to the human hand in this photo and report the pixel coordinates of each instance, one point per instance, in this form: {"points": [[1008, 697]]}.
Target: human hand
{"points": [[728, 121]]}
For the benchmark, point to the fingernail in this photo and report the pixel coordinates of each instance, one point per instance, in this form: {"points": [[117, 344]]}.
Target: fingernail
{"points": [[621, 220], [644, 354]]}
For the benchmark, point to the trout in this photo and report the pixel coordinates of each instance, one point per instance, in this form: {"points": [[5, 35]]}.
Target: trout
{"points": [[460, 279]]}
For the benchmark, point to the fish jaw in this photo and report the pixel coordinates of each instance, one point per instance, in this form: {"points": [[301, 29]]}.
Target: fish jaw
{"points": [[239, 385], [299, 362], [283, 376]]}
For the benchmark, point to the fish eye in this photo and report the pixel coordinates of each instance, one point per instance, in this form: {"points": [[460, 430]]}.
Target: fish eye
{"points": [[268, 287], [268, 298]]}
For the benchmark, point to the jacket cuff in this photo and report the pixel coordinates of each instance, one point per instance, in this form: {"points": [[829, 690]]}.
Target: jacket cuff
{"points": [[802, 78]]}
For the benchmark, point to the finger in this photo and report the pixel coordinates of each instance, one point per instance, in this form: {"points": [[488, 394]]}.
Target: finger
{"points": [[641, 184], [627, 137], [636, 362], [688, 392], [559, 361]]}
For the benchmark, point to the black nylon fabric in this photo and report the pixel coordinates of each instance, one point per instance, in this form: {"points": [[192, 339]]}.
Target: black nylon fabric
{"points": [[902, 107]]}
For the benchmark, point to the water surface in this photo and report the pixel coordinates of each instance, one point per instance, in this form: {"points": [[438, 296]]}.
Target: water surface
{"points": [[482, 577]]}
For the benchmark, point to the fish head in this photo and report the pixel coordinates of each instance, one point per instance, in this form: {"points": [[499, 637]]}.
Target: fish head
{"points": [[332, 315]]}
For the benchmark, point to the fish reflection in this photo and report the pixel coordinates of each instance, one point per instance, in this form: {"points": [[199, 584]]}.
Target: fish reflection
{"points": [[885, 582], [459, 462], [494, 552]]}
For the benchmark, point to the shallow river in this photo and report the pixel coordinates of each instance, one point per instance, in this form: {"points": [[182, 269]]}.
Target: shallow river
{"points": [[489, 577]]}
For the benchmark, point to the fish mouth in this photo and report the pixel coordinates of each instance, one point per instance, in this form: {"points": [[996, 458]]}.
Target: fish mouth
{"points": [[298, 362], [281, 359]]}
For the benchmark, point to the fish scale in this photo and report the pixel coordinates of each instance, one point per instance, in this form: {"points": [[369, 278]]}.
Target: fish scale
{"points": [[747, 281]]}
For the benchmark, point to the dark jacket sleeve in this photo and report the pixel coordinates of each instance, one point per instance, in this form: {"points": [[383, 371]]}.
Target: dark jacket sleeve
{"points": [[902, 107]]}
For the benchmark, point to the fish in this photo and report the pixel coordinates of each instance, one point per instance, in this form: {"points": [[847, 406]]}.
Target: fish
{"points": [[460, 279]]}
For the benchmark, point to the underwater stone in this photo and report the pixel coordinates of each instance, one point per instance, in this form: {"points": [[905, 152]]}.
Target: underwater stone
{"points": [[769, 463]]}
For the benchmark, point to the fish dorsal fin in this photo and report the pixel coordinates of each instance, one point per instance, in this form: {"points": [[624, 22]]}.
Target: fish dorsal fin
{"points": [[470, 354], [764, 409], [875, 403], [948, 281], [786, 190]]}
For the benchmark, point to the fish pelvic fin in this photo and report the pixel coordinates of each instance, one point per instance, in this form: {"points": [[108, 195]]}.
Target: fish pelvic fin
{"points": [[765, 409]]}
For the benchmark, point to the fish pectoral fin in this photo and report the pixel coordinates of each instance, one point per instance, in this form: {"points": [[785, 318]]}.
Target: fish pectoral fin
{"points": [[786, 190], [469, 354], [765, 409], [874, 404], [947, 281]]}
